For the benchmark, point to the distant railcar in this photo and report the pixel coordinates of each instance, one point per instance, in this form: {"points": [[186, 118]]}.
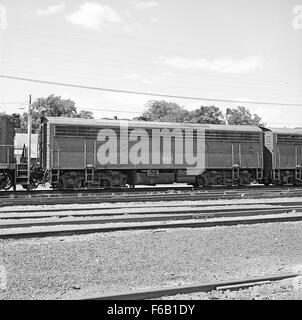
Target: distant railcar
{"points": [[234, 155], [79, 153], [7, 159], [283, 156]]}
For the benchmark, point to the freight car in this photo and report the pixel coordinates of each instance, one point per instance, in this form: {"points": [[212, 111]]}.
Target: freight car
{"points": [[73, 152]]}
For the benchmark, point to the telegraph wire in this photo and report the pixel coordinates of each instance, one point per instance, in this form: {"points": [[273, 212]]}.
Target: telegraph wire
{"points": [[148, 93]]}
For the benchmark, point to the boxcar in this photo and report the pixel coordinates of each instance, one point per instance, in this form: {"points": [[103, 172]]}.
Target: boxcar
{"points": [[283, 159], [99, 153]]}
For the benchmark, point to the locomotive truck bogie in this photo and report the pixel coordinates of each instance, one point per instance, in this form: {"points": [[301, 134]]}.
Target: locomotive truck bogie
{"points": [[117, 179]]}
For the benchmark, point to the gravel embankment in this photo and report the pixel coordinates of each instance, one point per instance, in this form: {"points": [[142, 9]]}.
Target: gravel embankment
{"points": [[64, 267]]}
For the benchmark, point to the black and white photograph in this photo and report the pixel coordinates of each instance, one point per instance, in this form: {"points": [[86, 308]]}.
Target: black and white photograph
{"points": [[151, 150]]}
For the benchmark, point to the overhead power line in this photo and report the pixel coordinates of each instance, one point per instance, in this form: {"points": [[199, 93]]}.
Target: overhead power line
{"points": [[149, 93]]}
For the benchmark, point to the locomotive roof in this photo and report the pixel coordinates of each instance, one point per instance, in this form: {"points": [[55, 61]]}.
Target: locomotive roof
{"points": [[286, 130], [146, 124]]}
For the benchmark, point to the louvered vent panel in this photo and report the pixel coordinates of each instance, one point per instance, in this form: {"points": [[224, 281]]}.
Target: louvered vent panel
{"points": [[233, 136], [75, 131], [289, 139], [91, 132]]}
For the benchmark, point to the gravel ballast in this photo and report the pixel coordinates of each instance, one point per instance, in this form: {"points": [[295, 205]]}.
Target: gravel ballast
{"points": [[64, 267]]}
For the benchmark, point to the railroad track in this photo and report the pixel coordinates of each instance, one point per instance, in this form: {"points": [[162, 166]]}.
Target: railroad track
{"points": [[194, 218], [180, 194], [51, 192], [140, 214], [155, 293], [67, 211]]}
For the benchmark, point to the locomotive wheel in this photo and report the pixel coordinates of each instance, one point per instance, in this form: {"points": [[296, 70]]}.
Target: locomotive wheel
{"points": [[27, 187], [3, 182], [58, 186], [293, 181], [77, 182], [6, 182], [198, 182], [106, 184]]}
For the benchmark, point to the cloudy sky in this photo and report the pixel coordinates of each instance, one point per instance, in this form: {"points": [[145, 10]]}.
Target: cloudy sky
{"points": [[220, 49]]}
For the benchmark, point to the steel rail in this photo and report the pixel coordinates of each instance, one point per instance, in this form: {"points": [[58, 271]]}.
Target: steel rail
{"points": [[142, 216], [144, 198], [191, 205], [210, 189], [156, 293], [52, 192], [173, 225]]}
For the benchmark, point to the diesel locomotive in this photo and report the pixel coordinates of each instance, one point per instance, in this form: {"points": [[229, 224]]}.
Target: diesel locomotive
{"points": [[81, 153]]}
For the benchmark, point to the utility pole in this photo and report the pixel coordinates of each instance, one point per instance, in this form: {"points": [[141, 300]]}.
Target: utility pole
{"points": [[226, 116], [29, 140]]}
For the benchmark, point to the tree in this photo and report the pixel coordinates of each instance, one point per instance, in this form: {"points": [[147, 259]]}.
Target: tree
{"points": [[52, 106], [242, 116], [210, 114], [163, 111], [85, 115], [171, 112]]}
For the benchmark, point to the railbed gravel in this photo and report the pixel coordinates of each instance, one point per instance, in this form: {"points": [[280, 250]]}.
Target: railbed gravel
{"points": [[71, 266]]}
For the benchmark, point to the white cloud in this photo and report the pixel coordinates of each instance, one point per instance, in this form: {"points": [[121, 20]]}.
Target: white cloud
{"points": [[132, 76], [227, 65], [50, 10], [153, 19], [145, 4], [243, 99], [93, 16], [136, 26], [162, 77], [127, 102]]}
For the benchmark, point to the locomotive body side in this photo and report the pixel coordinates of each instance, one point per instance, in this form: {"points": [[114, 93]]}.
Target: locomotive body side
{"points": [[7, 136], [285, 147], [234, 155], [73, 150], [7, 159]]}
